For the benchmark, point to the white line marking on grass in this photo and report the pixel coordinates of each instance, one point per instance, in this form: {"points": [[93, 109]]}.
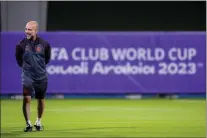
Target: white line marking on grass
{"points": [[90, 122], [52, 136], [112, 122], [190, 101], [80, 109]]}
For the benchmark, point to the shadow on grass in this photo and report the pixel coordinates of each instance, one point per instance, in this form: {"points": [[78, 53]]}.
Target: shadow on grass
{"points": [[79, 132], [91, 132]]}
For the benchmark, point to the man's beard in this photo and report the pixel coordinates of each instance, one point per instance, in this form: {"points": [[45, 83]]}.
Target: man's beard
{"points": [[29, 36]]}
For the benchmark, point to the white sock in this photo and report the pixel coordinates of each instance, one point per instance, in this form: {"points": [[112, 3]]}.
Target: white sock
{"points": [[29, 122], [38, 121]]}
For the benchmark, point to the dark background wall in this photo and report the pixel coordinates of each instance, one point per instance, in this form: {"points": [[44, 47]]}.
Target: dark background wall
{"points": [[15, 14], [126, 16]]}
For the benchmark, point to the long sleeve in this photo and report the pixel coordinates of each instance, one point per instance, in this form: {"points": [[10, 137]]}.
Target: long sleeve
{"points": [[18, 55], [47, 53]]}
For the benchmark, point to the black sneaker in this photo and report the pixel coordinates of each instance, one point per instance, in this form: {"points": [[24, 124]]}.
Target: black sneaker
{"points": [[38, 127], [28, 128]]}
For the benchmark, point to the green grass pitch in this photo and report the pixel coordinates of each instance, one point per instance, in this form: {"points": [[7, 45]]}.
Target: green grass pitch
{"points": [[109, 118]]}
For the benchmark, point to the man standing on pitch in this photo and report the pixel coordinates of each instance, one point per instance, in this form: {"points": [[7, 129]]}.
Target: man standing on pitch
{"points": [[32, 55]]}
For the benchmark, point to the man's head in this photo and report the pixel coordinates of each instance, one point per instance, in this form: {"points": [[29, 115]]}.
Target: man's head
{"points": [[31, 29]]}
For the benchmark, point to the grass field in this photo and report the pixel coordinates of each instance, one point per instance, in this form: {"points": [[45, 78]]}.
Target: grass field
{"points": [[109, 118]]}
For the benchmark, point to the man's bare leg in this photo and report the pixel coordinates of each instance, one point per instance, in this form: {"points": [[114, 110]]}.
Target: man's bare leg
{"points": [[26, 112], [40, 96], [26, 109], [40, 110]]}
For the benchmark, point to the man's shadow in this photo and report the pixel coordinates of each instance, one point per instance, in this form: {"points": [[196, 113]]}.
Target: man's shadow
{"points": [[70, 132]]}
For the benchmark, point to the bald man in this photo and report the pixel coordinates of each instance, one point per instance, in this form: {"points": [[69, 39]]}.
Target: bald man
{"points": [[32, 55]]}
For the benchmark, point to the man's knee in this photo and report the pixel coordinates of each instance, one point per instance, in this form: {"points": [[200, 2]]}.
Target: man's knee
{"points": [[27, 99], [40, 101], [27, 91]]}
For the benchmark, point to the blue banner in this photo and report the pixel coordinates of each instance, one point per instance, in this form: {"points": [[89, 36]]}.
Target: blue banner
{"points": [[115, 62]]}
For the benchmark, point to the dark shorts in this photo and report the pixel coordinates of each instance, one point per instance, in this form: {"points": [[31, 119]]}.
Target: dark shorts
{"points": [[37, 89]]}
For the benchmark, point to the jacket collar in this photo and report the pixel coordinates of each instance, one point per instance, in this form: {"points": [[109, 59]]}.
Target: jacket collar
{"points": [[36, 41]]}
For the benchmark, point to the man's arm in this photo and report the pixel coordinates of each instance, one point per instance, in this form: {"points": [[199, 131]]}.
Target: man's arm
{"points": [[47, 53], [18, 54]]}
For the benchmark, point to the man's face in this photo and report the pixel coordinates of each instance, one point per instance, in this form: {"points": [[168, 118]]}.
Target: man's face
{"points": [[30, 30]]}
